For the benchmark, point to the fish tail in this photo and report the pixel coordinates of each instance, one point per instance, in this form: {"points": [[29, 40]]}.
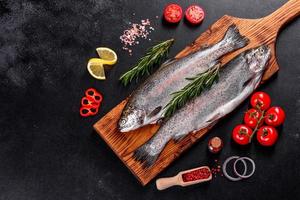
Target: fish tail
{"points": [[234, 37], [143, 156]]}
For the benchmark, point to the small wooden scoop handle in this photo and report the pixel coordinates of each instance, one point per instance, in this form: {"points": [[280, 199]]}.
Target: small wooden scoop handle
{"points": [[164, 183], [284, 14]]}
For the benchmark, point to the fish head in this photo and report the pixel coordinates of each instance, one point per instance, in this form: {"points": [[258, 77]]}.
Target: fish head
{"points": [[257, 62], [131, 119], [258, 58]]}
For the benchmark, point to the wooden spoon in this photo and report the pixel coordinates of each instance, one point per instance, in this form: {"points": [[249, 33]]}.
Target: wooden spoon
{"points": [[164, 183]]}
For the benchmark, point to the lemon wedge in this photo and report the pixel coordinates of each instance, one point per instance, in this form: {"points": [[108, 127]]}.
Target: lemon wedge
{"points": [[96, 69], [108, 56]]}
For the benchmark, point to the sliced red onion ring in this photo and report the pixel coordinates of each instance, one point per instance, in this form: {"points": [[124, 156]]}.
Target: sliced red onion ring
{"points": [[225, 165], [243, 159]]}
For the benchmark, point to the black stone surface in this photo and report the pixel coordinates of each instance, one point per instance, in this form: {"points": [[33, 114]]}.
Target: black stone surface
{"points": [[47, 151]]}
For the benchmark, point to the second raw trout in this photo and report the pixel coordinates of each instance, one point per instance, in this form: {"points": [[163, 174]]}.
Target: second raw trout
{"points": [[238, 79]]}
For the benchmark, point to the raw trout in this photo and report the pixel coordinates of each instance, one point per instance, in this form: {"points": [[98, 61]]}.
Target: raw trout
{"points": [[146, 105], [237, 80]]}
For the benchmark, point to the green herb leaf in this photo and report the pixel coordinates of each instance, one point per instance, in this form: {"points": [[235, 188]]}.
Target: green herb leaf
{"points": [[197, 85], [154, 56]]}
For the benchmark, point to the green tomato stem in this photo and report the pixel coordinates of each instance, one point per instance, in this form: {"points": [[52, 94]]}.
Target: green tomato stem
{"points": [[257, 125]]}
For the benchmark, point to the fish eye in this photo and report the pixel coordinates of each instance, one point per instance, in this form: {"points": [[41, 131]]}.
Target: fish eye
{"points": [[123, 121], [261, 50]]}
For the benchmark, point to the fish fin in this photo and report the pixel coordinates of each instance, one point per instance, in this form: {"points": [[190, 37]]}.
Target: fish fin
{"points": [[205, 46], [246, 83], [233, 36], [142, 155], [160, 121], [212, 123], [214, 119], [155, 111], [209, 123], [168, 62], [178, 137]]}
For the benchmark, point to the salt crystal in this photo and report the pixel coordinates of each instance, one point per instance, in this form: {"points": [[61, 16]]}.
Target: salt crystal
{"points": [[136, 31]]}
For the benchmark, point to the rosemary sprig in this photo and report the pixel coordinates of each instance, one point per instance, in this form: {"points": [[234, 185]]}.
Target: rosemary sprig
{"points": [[154, 56], [198, 83]]}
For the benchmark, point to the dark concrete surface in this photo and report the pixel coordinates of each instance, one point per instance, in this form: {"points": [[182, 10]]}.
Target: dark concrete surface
{"points": [[47, 151]]}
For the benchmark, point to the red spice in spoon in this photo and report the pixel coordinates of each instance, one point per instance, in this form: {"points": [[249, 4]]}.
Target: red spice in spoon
{"points": [[202, 173]]}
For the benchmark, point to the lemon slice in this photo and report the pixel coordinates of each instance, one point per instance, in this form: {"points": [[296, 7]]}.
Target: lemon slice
{"points": [[96, 69], [108, 56]]}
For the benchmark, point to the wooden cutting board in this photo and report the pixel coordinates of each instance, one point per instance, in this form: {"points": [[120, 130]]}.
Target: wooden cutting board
{"points": [[259, 31]]}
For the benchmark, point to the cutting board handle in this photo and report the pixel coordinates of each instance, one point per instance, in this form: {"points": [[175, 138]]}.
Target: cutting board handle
{"points": [[284, 14]]}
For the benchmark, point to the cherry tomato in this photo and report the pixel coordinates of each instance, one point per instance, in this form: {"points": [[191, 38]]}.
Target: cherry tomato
{"points": [[241, 134], [252, 117], [260, 100], [275, 116], [173, 13], [267, 135], [194, 14]]}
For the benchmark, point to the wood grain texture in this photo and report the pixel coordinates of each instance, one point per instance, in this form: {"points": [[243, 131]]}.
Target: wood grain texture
{"points": [[259, 31]]}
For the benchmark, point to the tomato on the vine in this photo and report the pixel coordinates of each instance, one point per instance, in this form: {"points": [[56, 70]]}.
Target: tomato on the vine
{"points": [[275, 116], [260, 100], [241, 134], [251, 118], [267, 135]]}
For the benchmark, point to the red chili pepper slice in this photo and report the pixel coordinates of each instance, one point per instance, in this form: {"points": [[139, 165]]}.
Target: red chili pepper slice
{"points": [[88, 101], [92, 93], [86, 111], [202, 173]]}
